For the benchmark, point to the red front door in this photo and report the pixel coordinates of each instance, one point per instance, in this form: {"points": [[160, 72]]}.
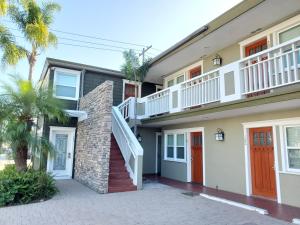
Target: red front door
{"points": [[197, 163], [195, 72], [129, 91], [262, 162]]}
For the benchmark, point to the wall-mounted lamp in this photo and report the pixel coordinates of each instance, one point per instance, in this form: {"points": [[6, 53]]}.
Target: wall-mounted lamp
{"points": [[219, 135], [217, 60], [139, 137]]}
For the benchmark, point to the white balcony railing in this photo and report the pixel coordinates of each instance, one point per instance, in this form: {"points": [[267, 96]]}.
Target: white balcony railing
{"points": [[272, 68]]}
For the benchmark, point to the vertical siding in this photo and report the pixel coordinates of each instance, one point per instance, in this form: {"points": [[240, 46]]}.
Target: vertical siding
{"points": [[92, 80], [148, 89]]}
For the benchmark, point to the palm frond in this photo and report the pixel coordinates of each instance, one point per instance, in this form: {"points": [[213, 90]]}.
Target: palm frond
{"points": [[48, 9], [3, 7]]}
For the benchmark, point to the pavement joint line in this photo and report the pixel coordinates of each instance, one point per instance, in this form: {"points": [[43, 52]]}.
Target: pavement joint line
{"points": [[237, 204]]}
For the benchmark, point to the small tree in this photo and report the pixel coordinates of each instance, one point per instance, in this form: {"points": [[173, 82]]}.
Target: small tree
{"points": [[33, 21], [132, 67], [20, 105]]}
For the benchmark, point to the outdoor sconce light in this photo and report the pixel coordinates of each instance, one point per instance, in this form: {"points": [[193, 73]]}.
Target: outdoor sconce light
{"points": [[219, 135], [217, 60], [139, 137]]}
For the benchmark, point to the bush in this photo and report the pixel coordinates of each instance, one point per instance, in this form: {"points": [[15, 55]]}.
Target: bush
{"points": [[25, 187]]}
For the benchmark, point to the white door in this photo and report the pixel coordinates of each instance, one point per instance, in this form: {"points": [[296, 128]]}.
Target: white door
{"points": [[60, 162]]}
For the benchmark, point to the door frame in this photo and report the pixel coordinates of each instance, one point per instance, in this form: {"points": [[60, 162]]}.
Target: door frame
{"points": [[189, 153], [71, 131], [156, 150], [139, 89], [246, 127]]}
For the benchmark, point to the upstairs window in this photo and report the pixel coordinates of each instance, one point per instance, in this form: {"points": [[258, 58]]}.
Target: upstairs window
{"points": [[289, 34], [66, 84]]}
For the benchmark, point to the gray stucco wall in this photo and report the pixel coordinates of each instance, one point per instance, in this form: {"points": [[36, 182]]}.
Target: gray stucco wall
{"points": [[225, 161], [148, 144], [93, 139]]}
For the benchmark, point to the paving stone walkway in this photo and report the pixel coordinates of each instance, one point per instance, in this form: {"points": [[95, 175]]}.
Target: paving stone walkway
{"points": [[156, 204]]}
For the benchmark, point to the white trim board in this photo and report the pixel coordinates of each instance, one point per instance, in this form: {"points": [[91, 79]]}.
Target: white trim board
{"points": [[70, 72], [237, 204]]}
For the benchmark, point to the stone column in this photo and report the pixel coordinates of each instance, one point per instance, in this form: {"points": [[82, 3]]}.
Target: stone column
{"points": [[93, 138]]}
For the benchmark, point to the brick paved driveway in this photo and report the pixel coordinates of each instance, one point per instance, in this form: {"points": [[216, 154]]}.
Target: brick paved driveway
{"points": [[156, 204]]}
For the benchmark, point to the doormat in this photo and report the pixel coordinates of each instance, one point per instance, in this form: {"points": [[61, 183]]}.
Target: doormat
{"points": [[190, 193]]}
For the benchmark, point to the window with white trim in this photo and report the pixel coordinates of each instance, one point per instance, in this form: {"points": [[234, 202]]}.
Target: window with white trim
{"points": [[66, 84], [175, 147], [292, 144]]}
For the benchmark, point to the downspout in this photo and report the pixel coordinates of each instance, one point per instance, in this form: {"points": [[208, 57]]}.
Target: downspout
{"points": [[78, 101], [81, 87]]}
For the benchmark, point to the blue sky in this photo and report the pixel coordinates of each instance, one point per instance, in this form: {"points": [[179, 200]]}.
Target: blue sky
{"points": [[160, 23]]}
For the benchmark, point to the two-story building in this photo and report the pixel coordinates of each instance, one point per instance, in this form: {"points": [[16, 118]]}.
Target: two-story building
{"points": [[228, 116]]}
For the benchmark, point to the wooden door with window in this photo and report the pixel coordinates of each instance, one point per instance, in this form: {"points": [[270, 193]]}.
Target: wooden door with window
{"points": [[195, 72], [252, 49], [262, 162], [256, 47], [129, 91], [197, 160]]}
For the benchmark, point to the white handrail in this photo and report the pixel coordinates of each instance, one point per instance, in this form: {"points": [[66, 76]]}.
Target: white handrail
{"points": [[130, 148], [126, 108]]}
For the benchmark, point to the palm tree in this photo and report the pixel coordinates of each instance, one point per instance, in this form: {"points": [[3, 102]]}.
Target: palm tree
{"points": [[12, 53], [132, 68], [33, 21], [20, 105]]}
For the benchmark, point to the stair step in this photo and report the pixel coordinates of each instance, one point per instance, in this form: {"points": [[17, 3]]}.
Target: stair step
{"points": [[119, 179], [118, 189]]}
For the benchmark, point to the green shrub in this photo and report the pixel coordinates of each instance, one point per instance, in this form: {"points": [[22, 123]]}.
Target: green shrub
{"points": [[24, 187]]}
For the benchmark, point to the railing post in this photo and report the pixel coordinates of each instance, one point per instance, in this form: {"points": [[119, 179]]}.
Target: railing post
{"points": [[230, 82], [132, 108], [139, 171]]}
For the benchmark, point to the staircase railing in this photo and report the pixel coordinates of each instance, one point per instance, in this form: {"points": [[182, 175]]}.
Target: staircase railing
{"points": [[130, 148]]}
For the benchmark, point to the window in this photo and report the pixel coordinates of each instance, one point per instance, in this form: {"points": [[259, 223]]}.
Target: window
{"points": [[66, 84], [292, 135], [289, 34], [180, 79], [175, 147], [170, 83]]}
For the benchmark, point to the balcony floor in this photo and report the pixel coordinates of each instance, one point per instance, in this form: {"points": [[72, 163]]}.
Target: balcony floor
{"points": [[279, 211]]}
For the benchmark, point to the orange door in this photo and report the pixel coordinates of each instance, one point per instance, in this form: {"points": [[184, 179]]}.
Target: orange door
{"points": [[256, 47], [129, 91], [195, 72], [262, 162], [197, 164]]}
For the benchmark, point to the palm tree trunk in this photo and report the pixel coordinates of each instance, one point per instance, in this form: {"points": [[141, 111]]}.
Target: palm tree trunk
{"points": [[31, 61], [21, 158]]}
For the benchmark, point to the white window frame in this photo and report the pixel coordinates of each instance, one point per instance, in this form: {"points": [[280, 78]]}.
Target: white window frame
{"points": [[174, 158], [285, 29], [73, 73], [286, 166], [139, 84]]}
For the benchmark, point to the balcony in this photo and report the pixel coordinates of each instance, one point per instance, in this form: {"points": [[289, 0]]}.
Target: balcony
{"points": [[255, 75]]}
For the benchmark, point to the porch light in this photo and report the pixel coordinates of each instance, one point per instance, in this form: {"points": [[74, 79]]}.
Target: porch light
{"points": [[219, 135], [139, 137], [217, 60]]}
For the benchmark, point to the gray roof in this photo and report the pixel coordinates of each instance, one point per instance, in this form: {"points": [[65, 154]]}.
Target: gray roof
{"points": [[51, 62]]}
